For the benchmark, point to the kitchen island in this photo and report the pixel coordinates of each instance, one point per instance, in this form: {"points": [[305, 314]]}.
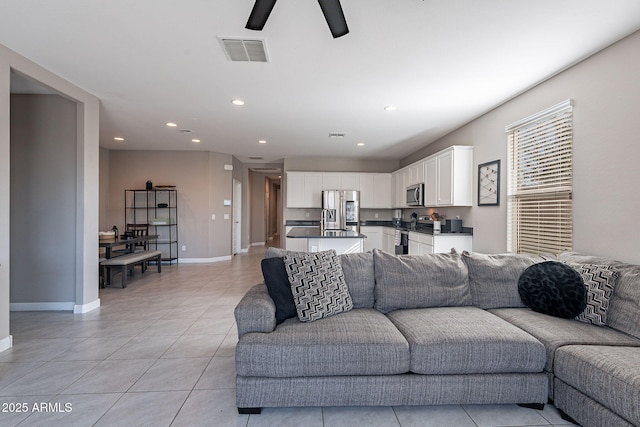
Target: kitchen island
{"points": [[314, 239]]}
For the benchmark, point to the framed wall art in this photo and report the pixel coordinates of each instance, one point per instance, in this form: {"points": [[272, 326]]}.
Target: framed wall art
{"points": [[489, 184]]}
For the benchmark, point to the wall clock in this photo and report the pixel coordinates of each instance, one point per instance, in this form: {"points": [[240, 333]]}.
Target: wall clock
{"points": [[489, 184]]}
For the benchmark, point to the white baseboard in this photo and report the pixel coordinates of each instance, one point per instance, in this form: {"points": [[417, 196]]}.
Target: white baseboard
{"points": [[257, 244], [41, 306], [85, 308], [203, 260], [6, 343]]}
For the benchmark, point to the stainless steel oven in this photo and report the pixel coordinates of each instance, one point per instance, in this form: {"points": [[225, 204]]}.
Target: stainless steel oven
{"points": [[415, 195]]}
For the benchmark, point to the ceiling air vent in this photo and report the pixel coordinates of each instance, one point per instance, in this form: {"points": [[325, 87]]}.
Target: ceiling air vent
{"points": [[244, 50], [256, 158], [335, 135]]}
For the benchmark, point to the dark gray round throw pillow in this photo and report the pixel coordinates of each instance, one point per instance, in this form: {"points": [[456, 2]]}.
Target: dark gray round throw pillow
{"points": [[553, 288]]}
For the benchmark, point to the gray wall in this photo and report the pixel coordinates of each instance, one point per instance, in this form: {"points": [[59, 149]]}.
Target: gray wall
{"points": [[43, 199], [202, 183], [606, 96], [339, 164]]}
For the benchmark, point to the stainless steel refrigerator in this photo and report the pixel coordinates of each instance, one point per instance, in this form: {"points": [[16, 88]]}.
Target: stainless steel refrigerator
{"points": [[340, 210]]}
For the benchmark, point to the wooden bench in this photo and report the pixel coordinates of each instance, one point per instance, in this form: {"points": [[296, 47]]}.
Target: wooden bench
{"points": [[126, 262]]}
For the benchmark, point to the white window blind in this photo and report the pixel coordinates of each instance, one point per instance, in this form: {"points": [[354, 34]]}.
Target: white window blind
{"points": [[540, 214]]}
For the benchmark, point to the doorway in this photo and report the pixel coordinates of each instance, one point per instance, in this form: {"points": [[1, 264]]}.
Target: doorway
{"points": [[273, 211], [236, 230]]}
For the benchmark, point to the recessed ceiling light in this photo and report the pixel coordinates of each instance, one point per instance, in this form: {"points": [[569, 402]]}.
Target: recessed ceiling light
{"points": [[238, 102], [262, 141], [172, 125], [360, 144], [118, 138], [195, 140], [390, 108]]}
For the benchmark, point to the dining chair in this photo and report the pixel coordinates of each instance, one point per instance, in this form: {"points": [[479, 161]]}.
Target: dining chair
{"points": [[139, 230]]}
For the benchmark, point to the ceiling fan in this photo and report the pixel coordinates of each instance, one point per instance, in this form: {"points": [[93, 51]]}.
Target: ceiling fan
{"points": [[330, 8]]}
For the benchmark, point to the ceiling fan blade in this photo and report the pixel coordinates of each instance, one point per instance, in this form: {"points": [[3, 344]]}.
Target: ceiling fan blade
{"points": [[335, 17], [259, 14]]}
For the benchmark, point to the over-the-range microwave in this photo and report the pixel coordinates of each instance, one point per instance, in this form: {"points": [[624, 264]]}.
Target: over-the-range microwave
{"points": [[415, 195]]}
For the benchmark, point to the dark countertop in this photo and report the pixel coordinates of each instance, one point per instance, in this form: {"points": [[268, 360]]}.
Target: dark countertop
{"points": [[302, 223], [420, 228], [315, 233]]}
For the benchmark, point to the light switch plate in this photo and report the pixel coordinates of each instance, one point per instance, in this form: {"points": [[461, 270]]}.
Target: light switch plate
{"points": [[227, 202]]}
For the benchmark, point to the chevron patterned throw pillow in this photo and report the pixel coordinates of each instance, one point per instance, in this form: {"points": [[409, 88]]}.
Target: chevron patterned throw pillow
{"points": [[600, 281], [318, 285]]}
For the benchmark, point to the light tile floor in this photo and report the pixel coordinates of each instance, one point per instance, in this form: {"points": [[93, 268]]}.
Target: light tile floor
{"points": [[161, 353]]}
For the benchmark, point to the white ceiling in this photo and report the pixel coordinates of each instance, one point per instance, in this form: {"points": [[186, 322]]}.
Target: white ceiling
{"points": [[442, 63]]}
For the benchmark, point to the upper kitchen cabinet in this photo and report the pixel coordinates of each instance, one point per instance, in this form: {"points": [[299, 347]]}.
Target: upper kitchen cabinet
{"points": [[449, 177], [340, 181], [375, 191], [399, 189], [416, 173], [304, 190]]}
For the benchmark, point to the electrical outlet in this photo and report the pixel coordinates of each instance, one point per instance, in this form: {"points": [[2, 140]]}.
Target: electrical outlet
{"points": [[184, 248], [376, 215], [306, 214], [213, 217]]}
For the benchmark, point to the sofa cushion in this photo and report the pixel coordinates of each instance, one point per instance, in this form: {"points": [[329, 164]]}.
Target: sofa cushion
{"points": [[553, 288], [555, 332], [624, 306], [277, 281], [609, 375], [358, 274], [466, 340], [493, 279], [600, 281], [358, 342], [419, 281], [317, 285]]}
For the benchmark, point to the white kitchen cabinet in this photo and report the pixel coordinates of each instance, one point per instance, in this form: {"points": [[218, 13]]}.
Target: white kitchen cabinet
{"points": [[431, 182], [304, 190], [389, 239], [422, 244], [443, 243], [350, 181], [295, 244], [417, 173], [373, 239], [449, 177], [331, 181], [399, 189], [340, 181], [375, 191]]}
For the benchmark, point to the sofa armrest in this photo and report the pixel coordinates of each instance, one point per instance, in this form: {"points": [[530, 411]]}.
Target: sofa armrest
{"points": [[256, 311]]}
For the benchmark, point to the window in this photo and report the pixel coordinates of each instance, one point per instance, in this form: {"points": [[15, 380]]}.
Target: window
{"points": [[540, 214]]}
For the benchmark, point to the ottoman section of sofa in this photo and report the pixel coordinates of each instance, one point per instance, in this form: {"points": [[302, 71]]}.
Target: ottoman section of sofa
{"points": [[555, 332], [357, 342], [466, 340], [609, 375]]}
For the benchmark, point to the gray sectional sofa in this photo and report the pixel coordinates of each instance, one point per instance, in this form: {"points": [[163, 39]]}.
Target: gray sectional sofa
{"points": [[443, 329]]}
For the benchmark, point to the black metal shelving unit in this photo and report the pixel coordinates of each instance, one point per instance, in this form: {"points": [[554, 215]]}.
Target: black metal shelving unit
{"points": [[159, 209]]}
